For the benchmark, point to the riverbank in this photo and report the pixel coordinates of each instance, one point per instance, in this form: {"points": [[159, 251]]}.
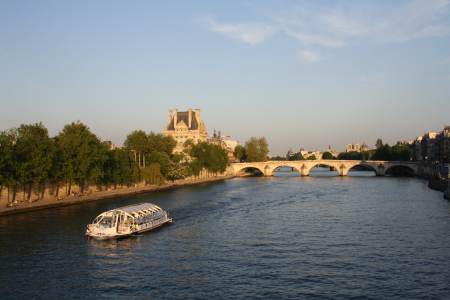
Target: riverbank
{"points": [[104, 195]]}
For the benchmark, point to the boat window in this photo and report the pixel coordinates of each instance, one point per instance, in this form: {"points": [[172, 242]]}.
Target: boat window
{"points": [[106, 222], [96, 220]]}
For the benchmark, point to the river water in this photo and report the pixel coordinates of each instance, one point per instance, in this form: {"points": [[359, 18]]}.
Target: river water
{"points": [[256, 238]]}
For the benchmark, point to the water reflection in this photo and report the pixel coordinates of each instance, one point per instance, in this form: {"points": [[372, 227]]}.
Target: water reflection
{"points": [[323, 171]]}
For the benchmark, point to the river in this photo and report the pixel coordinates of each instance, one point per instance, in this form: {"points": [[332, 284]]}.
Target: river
{"points": [[256, 238]]}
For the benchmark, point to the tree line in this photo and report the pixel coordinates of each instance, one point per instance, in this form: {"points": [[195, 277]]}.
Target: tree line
{"points": [[254, 150], [398, 152], [32, 162]]}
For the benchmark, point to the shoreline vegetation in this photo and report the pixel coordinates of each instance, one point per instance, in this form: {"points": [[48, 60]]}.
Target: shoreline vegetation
{"points": [[53, 202], [75, 164]]}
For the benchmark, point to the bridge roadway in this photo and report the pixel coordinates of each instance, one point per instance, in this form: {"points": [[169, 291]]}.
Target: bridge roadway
{"points": [[341, 166]]}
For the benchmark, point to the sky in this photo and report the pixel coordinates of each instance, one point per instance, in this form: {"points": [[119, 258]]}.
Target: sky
{"points": [[301, 73]]}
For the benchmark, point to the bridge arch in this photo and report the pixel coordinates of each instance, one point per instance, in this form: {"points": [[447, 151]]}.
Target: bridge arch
{"points": [[362, 167], [400, 170], [295, 169], [250, 171], [334, 167]]}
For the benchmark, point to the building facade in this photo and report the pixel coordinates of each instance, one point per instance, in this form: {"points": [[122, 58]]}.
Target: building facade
{"points": [[357, 148], [432, 146], [443, 145], [185, 125], [428, 146]]}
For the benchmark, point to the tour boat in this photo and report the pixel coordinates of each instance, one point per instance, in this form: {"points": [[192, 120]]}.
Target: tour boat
{"points": [[128, 220]]}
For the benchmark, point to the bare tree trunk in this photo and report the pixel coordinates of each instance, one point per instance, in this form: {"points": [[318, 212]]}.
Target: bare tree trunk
{"points": [[139, 157], [69, 189], [30, 191], [143, 156], [14, 193], [42, 191], [57, 191]]}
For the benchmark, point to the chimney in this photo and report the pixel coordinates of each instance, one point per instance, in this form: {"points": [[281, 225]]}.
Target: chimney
{"points": [[175, 117], [190, 118], [197, 114], [170, 117]]}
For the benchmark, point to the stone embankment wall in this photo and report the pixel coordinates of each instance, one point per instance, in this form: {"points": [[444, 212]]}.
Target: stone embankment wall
{"points": [[438, 177], [93, 194]]}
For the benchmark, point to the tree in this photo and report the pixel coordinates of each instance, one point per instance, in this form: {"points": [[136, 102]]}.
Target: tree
{"points": [[327, 155], [33, 153], [176, 172], [162, 159], [137, 141], [295, 156], [401, 152], [83, 155], [152, 174], [351, 155], [208, 156], [383, 153], [257, 149], [240, 153], [7, 163], [278, 158]]}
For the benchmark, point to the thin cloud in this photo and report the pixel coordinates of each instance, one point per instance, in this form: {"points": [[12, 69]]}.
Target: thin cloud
{"points": [[309, 57], [249, 33], [337, 27]]}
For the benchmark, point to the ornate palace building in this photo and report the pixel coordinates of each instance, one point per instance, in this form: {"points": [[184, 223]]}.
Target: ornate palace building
{"points": [[185, 125]]}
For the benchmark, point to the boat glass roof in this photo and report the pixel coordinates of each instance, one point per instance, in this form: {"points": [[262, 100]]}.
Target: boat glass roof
{"points": [[139, 207]]}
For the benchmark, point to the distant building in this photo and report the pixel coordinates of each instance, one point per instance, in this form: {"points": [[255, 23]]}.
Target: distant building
{"points": [[333, 152], [429, 146], [416, 149], [225, 142], [356, 147], [443, 145], [185, 125], [311, 154]]}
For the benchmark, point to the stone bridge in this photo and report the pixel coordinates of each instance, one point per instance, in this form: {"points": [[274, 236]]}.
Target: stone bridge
{"points": [[341, 166]]}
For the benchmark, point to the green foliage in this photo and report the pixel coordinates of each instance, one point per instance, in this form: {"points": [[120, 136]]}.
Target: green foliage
{"points": [[152, 174], [257, 149], [294, 156], [33, 153], [118, 168], [137, 140], [398, 152], [162, 159], [401, 152], [208, 156], [7, 162], [83, 155], [176, 172], [351, 155], [327, 155], [31, 160], [277, 158], [240, 153]]}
